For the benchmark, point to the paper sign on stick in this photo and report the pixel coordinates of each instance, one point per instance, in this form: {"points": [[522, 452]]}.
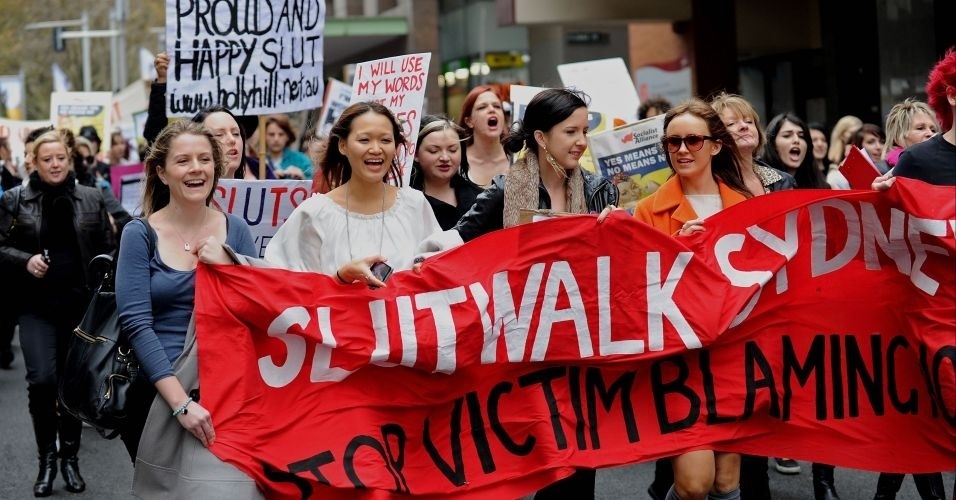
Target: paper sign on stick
{"points": [[337, 96], [254, 57], [608, 83], [631, 157], [74, 110], [399, 84], [264, 205], [521, 95]]}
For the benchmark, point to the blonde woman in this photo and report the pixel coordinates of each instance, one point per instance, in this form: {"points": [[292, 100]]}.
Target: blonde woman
{"points": [[840, 137], [909, 122], [742, 121], [56, 227]]}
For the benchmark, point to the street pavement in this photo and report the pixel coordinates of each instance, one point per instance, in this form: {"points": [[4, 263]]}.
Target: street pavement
{"points": [[108, 472]]}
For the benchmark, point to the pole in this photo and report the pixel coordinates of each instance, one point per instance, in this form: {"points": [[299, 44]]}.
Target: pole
{"points": [[263, 154], [113, 80], [121, 44], [87, 77]]}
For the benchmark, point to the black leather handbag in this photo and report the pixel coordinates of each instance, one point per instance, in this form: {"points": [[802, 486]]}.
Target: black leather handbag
{"points": [[100, 366]]}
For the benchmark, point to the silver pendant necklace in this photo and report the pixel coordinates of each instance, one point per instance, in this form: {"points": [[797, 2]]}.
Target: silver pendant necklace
{"points": [[186, 245], [348, 231]]}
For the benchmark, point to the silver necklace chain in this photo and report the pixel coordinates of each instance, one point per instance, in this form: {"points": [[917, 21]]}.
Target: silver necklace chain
{"points": [[186, 246], [348, 231]]}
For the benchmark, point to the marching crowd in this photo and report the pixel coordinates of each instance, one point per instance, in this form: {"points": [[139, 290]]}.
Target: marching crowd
{"points": [[468, 178]]}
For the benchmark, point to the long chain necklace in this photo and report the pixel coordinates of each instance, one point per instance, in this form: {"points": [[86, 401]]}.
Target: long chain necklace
{"points": [[348, 231], [186, 246]]}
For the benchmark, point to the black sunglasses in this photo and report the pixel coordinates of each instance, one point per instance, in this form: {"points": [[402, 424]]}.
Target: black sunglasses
{"points": [[693, 142]]}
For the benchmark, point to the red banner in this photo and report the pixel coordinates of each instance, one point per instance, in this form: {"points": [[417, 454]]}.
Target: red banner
{"points": [[818, 325]]}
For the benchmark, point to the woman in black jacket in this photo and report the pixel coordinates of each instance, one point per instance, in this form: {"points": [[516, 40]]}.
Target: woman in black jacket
{"points": [[553, 133], [51, 228], [436, 171]]}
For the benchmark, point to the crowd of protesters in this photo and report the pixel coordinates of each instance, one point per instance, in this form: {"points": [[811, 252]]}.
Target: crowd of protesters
{"points": [[468, 178]]}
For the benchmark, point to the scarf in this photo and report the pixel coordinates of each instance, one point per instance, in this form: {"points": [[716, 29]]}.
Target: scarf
{"points": [[521, 189]]}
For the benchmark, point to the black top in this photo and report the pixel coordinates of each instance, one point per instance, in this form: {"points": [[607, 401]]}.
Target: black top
{"points": [[465, 193], [932, 161]]}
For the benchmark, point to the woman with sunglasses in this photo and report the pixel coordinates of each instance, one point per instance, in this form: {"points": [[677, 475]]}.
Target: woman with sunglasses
{"points": [[703, 156]]}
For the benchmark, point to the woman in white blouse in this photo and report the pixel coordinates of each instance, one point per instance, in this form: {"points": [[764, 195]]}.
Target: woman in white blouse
{"points": [[368, 218]]}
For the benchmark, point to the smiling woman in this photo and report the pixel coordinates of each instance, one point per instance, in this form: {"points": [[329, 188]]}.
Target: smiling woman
{"points": [[368, 218], [549, 176], [554, 131], [155, 283]]}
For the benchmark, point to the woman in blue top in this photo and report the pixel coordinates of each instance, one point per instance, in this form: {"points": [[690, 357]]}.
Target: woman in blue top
{"points": [[155, 276]]}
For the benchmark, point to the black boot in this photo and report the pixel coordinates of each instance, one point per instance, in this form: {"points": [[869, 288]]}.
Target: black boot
{"points": [[663, 479], [888, 485], [823, 488], [70, 430], [930, 486], [43, 487], [6, 357], [42, 404]]}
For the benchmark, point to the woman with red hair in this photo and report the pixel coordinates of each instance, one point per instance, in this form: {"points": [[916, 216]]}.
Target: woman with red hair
{"points": [[934, 160], [483, 118]]}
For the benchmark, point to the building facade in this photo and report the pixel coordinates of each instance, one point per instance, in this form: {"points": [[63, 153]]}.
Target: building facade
{"points": [[818, 58]]}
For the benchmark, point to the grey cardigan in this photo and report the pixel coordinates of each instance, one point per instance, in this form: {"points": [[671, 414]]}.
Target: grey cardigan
{"points": [[172, 463]]}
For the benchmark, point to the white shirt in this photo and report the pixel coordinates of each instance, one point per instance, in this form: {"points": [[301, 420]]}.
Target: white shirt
{"points": [[705, 205], [321, 236]]}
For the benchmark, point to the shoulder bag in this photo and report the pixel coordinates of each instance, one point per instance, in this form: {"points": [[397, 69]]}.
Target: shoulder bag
{"points": [[100, 366]]}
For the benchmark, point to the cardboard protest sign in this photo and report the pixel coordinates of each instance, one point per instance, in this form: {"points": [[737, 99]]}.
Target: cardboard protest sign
{"points": [[608, 83], [631, 157], [337, 97], [73, 110], [16, 132], [264, 205], [399, 84], [521, 95], [127, 184], [509, 361], [12, 96], [671, 80], [254, 57]]}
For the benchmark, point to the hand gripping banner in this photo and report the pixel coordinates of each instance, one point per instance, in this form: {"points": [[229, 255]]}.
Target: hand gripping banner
{"points": [[819, 325]]}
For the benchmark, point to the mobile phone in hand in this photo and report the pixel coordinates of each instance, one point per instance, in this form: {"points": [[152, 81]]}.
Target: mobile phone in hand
{"points": [[381, 271]]}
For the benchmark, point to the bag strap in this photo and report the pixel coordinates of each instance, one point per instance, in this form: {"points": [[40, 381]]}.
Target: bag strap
{"points": [[16, 209], [151, 236], [109, 261]]}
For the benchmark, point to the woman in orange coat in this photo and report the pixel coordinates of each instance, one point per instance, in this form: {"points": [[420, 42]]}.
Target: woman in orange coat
{"points": [[703, 155]]}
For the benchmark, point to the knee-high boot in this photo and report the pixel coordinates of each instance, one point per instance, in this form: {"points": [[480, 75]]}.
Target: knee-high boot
{"points": [[663, 479], [930, 486], [888, 485], [70, 431], [823, 487], [42, 405]]}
